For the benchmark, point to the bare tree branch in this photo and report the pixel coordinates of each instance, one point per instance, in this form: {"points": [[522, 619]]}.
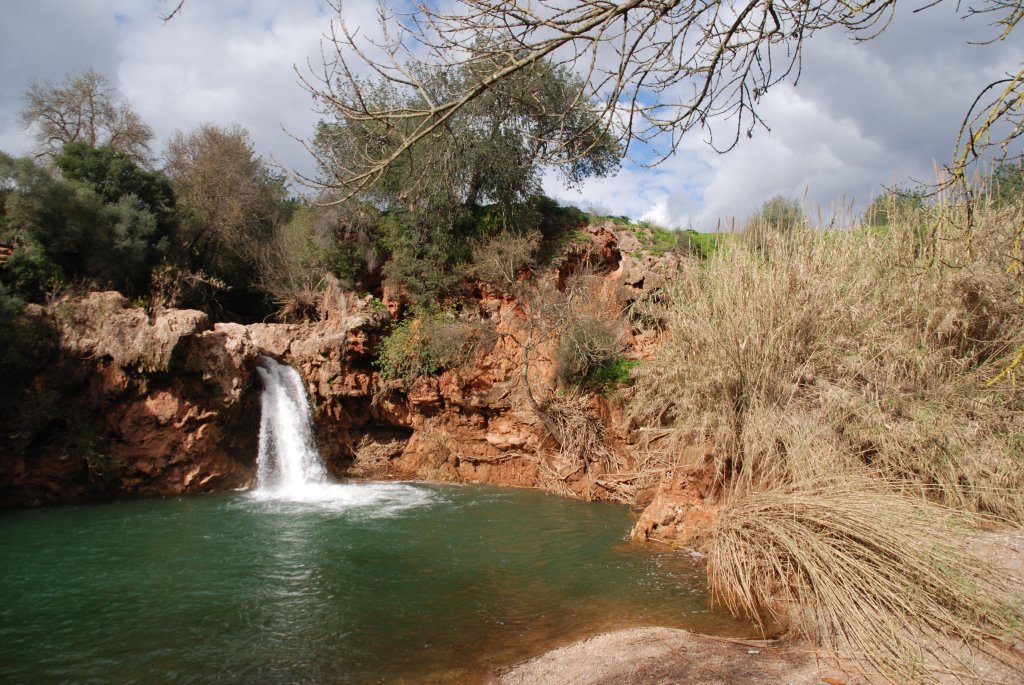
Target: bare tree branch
{"points": [[653, 69], [84, 108], [173, 13]]}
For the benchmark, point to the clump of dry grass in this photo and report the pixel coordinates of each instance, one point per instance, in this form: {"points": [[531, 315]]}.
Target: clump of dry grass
{"points": [[583, 451], [830, 350], [849, 383], [879, 578]]}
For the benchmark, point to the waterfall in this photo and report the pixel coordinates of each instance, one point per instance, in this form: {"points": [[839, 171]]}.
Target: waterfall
{"points": [[290, 475], [288, 465]]}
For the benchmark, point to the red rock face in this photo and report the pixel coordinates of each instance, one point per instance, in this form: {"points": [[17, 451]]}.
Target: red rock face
{"points": [[469, 424], [132, 404], [167, 405], [680, 512]]}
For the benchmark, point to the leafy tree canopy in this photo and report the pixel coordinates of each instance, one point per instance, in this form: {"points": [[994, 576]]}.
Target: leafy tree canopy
{"points": [[67, 228], [230, 200], [113, 175], [488, 153]]}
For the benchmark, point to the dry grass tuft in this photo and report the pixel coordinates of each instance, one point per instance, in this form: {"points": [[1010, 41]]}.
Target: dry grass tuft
{"points": [[821, 351], [849, 383], [879, 578], [583, 449]]}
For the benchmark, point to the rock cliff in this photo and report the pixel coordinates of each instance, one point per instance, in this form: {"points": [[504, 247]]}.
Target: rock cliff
{"points": [[134, 403]]}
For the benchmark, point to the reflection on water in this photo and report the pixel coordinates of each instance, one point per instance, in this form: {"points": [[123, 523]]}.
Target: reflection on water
{"points": [[356, 583]]}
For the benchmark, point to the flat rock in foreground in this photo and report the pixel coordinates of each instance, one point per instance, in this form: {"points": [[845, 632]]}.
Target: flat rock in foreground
{"points": [[642, 656], [665, 655]]}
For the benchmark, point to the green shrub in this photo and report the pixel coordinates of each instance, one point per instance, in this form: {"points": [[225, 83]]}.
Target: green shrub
{"points": [[703, 244], [612, 373], [589, 342], [556, 220], [25, 342], [109, 244], [894, 206], [423, 344], [1006, 185], [425, 251], [31, 273]]}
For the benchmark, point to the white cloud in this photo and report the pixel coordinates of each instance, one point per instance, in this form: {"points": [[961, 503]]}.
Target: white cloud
{"points": [[47, 40], [230, 61], [862, 115], [225, 62]]}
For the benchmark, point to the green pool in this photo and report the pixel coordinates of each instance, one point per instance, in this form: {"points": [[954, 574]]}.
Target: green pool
{"points": [[363, 583]]}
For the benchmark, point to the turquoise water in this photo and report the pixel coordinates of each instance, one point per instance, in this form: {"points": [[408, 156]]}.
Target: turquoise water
{"points": [[376, 583]]}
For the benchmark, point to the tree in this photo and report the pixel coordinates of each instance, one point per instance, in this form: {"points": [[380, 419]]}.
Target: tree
{"points": [[319, 247], [658, 68], [68, 228], [779, 214], [892, 206], [1006, 185], [488, 153], [230, 200], [114, 175], [84, 109]]}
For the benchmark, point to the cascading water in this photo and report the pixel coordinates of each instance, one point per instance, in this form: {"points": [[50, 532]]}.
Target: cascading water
{"points": [[289, 468], [288, 464]]}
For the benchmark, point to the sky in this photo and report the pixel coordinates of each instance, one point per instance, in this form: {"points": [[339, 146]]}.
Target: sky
{"points": [[863, 115]]}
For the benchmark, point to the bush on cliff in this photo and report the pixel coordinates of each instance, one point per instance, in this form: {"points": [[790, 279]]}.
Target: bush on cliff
{"points": [[101, 244], [25, 342], [425, 342], [588, 343]]}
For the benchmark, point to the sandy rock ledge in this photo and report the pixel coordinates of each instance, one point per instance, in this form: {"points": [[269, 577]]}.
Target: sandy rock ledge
{"points": [[665, 655]]}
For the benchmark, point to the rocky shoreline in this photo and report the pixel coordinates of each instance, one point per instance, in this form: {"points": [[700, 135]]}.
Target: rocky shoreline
{"points": [[639, 656]]}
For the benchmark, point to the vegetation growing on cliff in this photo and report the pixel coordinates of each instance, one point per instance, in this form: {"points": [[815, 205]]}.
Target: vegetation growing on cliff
{"points": [[850, 384]]}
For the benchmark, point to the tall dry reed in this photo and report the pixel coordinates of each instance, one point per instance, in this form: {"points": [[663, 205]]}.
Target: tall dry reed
{"points": [[802, 354]]}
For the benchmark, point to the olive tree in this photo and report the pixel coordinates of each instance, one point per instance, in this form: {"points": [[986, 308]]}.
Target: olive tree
{"points": [[490, 150], [779, 214], [488, 154]]}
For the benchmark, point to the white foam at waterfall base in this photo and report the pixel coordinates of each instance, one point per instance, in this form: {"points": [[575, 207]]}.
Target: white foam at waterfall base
{"points": [[289, 468]]}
